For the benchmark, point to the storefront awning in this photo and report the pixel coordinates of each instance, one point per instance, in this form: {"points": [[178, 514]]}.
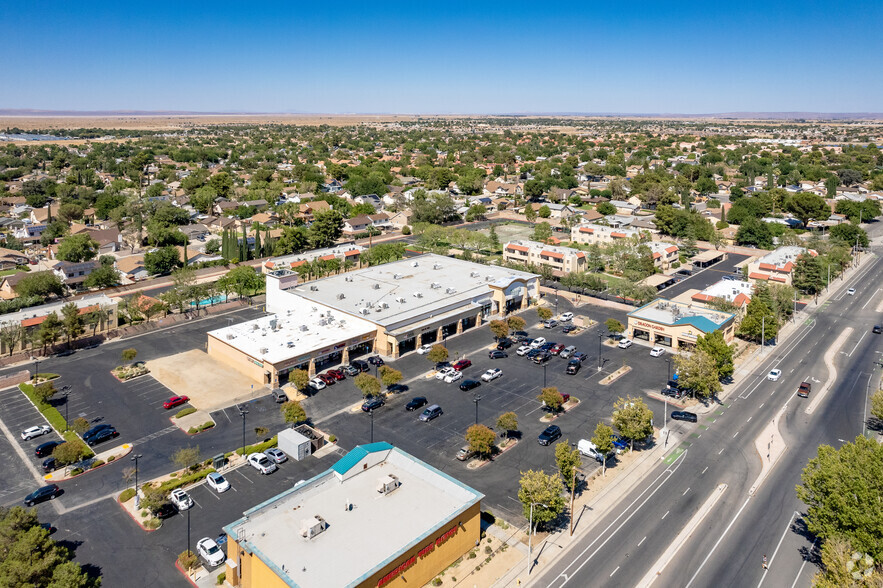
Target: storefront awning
{"points": [[438, 320]]}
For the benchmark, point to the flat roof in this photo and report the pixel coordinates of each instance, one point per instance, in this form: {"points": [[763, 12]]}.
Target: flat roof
{"points": [[708, 255], [411, 288], [44, 309], [298, 328], [669, 312], [729, 289], [359, 541], [781, 256]]}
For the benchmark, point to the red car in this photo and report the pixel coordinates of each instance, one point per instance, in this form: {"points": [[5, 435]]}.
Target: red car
{"points": [[556, 349], [336, 374], [327, 378], [461, 365], [175, 401]]}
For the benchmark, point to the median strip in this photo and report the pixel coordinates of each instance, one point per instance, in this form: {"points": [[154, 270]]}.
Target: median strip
{"points": [[832, 352]]}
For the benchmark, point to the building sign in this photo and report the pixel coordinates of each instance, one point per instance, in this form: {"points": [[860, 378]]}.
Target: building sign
{"points": [[256, 362], [405, 566], [649, 325]]}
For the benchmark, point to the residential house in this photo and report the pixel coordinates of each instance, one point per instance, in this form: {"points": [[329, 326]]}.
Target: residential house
{"points": [[224, 206], [625, 207], [372, 199], [594, 233], [29, 234], [556, 210], [10, 258], [778, 265], [195, 256], [74, 274], [736, 292], [363, 222], [664, 254], [494, 188], [562, 260], [132, 267], [195, 232], [8, 284], [41, 216]]}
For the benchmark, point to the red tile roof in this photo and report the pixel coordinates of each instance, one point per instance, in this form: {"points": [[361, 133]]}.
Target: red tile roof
{"points": [[758, 276], [586, 230], [580, 255], [552, 254], [517, 248], [328, 257], [39, 319], [618, 235], [351, 252], [779, 279]]}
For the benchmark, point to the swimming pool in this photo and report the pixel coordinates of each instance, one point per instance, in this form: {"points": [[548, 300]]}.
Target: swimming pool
{"points": [[209, 301]]}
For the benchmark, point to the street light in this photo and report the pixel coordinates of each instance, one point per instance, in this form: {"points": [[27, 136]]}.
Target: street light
{"points": [[242, 413], [36, 364], [530, 534], [188, 529], [476, 399], [600, 339], [66, 390], [556, 301], [371, 412], [135, 458], [544, 375], [582, 478]]}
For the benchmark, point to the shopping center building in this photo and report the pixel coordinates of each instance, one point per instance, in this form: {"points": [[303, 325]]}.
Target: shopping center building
{"points": [[677, 324], [379, 517]]}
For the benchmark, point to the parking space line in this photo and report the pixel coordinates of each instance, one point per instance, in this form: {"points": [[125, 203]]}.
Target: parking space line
{"points": [[244, 476]]}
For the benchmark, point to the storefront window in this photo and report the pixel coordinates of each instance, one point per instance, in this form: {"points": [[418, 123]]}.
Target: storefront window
{"points": [[686, 345], [643, 335], [663, 340]]}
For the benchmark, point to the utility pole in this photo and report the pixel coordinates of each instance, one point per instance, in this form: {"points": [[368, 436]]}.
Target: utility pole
{"points": [[66, 390], [762, 333], [242, 413], [530, 534], [135, 458], [572, 492], [476, 400]]}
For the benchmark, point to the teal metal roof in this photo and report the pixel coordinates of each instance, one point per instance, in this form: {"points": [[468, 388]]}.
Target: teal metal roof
{"points": [[700, 322], [345, 463]]}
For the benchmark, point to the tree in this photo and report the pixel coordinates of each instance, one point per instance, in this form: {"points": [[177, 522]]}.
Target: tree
{"points": [[842, 490], [293, 412], [384, 253], [633, 419], [713, 343], [80, 425], [162, 260], [499, 329], [849, 234], [544, 492], [844, 567], [614, 326], [50, 329], [105, 276], [849, 177], [476, 212], [544, 313], [389, 376], [533, 189], [697, 371], [40, 284], [806, 205], [368, 384], [261, 432], [437, 354], [603, 441], [529, 213], [544, 211], [299, 379], [325, 228], [810, 274], [568, 461], [516, 323], [542, 232], [77, 248], [72, 322], [29, 556], [129, 354], [754, 233], [186, 457], [70, 452], [11, 334], [292, 240], [551, 398], [759, 322], [203, 199], [43, 392], [508, 421], [222, 183], [481, 439], [877, 405], [242, 279], [605, 208]]}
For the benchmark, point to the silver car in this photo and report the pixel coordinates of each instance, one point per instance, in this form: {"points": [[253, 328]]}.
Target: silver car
{"points": [[276, 455]]}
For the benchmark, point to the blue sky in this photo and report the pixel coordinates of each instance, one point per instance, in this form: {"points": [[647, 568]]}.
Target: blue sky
{"points": [[443, 57]]}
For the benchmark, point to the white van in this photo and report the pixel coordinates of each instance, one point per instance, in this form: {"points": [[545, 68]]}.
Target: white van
{"points": [[589, 449]]}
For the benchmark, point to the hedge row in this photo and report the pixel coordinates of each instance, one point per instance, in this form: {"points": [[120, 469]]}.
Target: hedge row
{"points": [[170, 485], [200, 428], [258, 448], [185, 411], [50, 412], [127, 494]]}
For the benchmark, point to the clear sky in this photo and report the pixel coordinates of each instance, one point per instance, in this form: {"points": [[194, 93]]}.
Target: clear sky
{"points": [[443, 57]]}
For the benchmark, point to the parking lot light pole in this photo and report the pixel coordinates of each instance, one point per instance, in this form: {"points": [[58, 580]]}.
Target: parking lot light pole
{"points": [[556, 302], [600, 340], [66, 390], [544, 375], [188, 529], [476, 400], [242, 413], [36, 364], [135, 458], [371, 412], [530, 534]]}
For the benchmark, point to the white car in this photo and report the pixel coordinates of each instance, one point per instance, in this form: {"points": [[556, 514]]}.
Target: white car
{"points": [[537, 343], [37, 431], [318, 384], [523, 350], [261, 463], [453, 376], [851, 291], [210, 552], [491, 374], [217, 482], [773, 376], [656, 351], [180, 499], [424, 349], [566, 317], [625, 344], [276, 455], [444, 372]]}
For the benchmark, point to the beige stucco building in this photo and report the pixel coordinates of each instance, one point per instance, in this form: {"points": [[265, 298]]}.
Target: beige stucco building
{"points": [[678, 325], [563, 260]]}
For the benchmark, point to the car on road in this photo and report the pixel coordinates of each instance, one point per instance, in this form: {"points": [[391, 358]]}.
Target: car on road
{"points": [[550, 324], [102, 436], [656, 351], [180, 499], [424, 349], [877, 329], [415, 403], [45, 493], [683, 415], [566, 317], [568, 329], [624, 344], [430, 413], [318, 384], [279, 395], [851, 291], [453, 377], [468, 385], [556, 349], [49, 465], [465, 453], [375, 360], [504, 343], [567, 351], [337, 374], [537, 343], [328, 379], [573, 367], [35, 431], [444, 373], [496, 354], [276, 455], [261, 463], [46, 449], [462, 365], [774, 375], [372, 403], [175, 401], [209, 551], [804, 390], [550, 434], [523, 350], [491, 374], [216, 482]]}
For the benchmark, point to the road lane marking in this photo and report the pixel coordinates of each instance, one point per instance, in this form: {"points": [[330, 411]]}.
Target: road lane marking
{"points": [[705, 470], [734, 434], [761, 405], [857, 344], [721, 538], [685, 492], [778, 545], [665, 515], [871, 297], [803, 565], [642, 540], [749, 419], [721, 451], [614, 571]]}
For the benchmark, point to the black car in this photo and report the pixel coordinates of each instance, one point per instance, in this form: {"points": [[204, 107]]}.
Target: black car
{"points": [[496, 354], [877, 329], [45, 493], [442, 365], [102, 436], [164, 510], [547, 345], [45, 449], [95, 430], [50, 465], [533, 353], [372, 403], [579, 356], [520, 335], [311, 390], [361, 365], [551, 433], [469, 385], [504, 344], [573, 366], [671, 392], [375, 360], [415, 403], [683, 415], [397, 388], [543, 357], [568, 329]]}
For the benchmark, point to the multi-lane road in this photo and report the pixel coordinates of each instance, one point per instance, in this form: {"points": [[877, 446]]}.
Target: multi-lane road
{"points": [[633, 544]]}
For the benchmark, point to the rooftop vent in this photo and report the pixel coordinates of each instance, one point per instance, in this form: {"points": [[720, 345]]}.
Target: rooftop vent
{"points": [[230, 336], [364, 311], [304, 328], [397, 277], [474, 274], [314, 288], [436, 266], [376, 286], [435, 285], [341, 296], [264, 350], [290, 344], [415, 264], [387, 484], [347, 278], [400, 300], [385, 305], [312, 526], [450, 290], [418, 295]]}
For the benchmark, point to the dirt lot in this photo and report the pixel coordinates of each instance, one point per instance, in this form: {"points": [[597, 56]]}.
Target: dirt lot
{"points": [[210, 384]]}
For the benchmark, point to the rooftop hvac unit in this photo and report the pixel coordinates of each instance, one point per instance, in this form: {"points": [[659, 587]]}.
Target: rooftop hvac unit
{"points": [[323, 322], [487, 278], [290, 344], [341, 296], [415, 264], [400, 300], [304, 328], [365, 311], [396, 277], [387, 484], [377, 286], [474, 274], [264, 350], [314, 288], [347, 278], [418, 295], [450, 290], [273, 323], [230, 336], [436, 266], [255, 327], [385, 305], [435, 285], [312, 526]]}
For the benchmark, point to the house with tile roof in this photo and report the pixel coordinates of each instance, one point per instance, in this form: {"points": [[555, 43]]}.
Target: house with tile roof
{"points": [[562, 260], [663, 253], [591, 233], [777, 266]]}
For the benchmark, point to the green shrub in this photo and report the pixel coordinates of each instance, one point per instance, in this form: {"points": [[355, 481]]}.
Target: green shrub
{"points": [[185, 411], [332, 438], [170, 485], [406, 230], [676, 264], [173, 475], [472, 554], [111, 458], [127, 494], [50, 412], [187, 559], [144, 513], [258, 448], [76, 471], [488, 550], [222, 577], [436, 581], [97, 462], [152, 524], [192, 431], [205, 426], [228, 454]]}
